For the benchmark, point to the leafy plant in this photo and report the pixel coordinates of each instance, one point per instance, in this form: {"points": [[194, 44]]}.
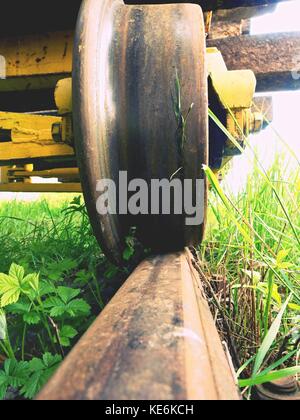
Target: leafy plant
{"points": [[53, 312], [66, 334], [15, 283], [50, 286], [13, 375], [27, 377], [38, 373], [65, 304]]}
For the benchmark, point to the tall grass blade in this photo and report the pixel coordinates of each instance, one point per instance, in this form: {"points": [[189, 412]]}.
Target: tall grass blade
{"points": [[269, 339], [269, 377]]}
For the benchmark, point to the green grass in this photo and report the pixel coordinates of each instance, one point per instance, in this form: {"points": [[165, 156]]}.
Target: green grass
{"points": [[54, 281], [251, 256], [36, 235]]}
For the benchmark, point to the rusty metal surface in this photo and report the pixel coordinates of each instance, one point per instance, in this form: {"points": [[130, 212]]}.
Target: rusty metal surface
{"points": [[273, 58], [286, 389], [234, 22], [126, 61], [240, 13], [156, 339]]}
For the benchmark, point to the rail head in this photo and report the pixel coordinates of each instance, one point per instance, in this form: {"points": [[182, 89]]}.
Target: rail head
{"points": [[155, 340]]}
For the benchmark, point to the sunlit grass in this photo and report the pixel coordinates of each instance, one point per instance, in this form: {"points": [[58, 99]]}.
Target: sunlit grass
{"points": [[252, 257]]}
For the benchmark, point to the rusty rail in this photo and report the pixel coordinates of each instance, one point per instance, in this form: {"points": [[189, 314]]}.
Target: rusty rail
{"points": [[254, 51], [156, 340]]}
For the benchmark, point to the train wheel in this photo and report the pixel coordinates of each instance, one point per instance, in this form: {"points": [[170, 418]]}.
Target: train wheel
{"points": [[140, 106]]}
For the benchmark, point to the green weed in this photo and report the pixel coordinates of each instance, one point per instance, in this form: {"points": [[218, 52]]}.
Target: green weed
{"points": [[252, 257]]}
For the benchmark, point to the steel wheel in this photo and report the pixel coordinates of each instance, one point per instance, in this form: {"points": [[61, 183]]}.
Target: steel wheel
{"points": [[132, 64]]}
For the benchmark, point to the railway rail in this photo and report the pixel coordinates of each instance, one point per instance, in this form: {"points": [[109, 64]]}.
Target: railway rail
{"points": [[155, 340]]}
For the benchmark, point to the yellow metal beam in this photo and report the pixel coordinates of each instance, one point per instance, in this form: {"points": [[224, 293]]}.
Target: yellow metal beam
{"points": [[235, 89], [36, 61], [4, 174], [17, 151], [34, 136], [65, 173], [24, 179], [41, 188], [29, 128], [63, 96]]}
